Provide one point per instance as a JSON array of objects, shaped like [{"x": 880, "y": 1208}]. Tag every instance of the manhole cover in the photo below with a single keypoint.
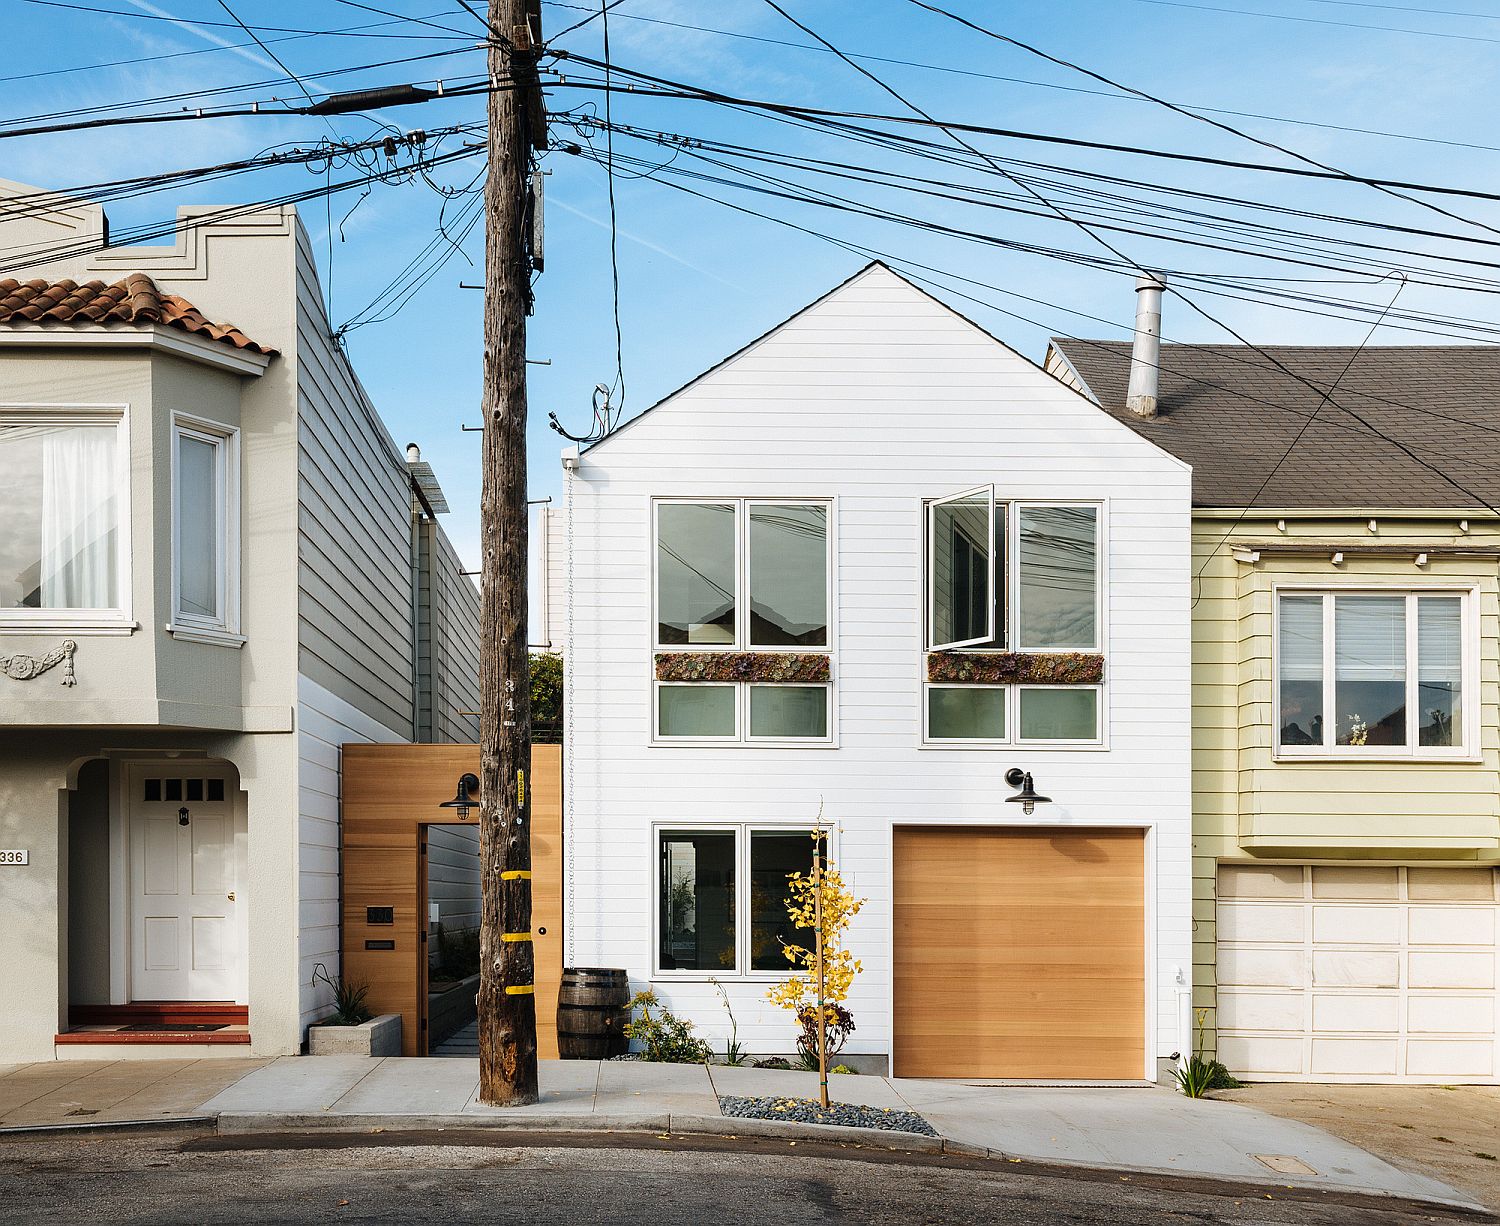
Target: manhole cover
[{"x": 1284, "y": 1164}]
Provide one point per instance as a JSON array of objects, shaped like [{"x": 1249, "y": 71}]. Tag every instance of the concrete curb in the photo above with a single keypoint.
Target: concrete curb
[
  {"x": 249, "y": 1124},
  {"x": 42, "y": 1130}
]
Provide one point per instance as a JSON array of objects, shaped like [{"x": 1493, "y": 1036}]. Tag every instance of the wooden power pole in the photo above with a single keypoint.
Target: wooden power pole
[{"x": 507, "y": 966}]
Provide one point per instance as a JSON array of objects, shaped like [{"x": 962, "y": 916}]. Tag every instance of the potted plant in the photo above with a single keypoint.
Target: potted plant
[{"x": 351, "y": 1029}]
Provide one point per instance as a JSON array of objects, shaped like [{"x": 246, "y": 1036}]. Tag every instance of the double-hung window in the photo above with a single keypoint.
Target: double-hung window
[
  {"x": 707, "y": 923},
  {"x": 1017, "y": 576},
  {"x": 64, "y": 549},
  {"x": 205, "y": 529},
  {"x": 743, "y": 575},
  {"x": 1365, "y": 674}
]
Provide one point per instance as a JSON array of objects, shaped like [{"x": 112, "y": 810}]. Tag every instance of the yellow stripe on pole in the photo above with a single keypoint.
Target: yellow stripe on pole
[
  {"x": 516, "y": 874},
  {"x": 515, "y": 936},
  {"x": 527, "y": 989}
]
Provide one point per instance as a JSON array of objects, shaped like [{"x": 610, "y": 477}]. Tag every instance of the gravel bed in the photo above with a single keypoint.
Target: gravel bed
[{"x": 808, "y": 1111}]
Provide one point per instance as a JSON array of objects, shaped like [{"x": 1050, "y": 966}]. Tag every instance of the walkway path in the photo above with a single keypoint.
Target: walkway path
[{"x": 461, "y": 1043}]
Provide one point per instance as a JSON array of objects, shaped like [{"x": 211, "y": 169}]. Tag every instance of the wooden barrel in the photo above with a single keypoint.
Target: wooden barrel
[{"x": 591, "y": 1013}]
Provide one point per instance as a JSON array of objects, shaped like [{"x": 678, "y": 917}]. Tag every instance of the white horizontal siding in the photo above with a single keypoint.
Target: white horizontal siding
[{"x": 877, "y": 397}]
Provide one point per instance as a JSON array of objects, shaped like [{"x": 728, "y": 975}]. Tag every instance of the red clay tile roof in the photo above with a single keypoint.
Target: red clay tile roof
[{"x": 136, "y": 300}]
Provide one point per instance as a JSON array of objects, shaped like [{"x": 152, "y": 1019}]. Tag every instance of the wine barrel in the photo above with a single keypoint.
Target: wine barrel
[{"x": 592, "y": 1012}]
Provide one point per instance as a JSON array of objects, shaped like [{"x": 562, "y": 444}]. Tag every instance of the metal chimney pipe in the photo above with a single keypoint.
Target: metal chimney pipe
[{"x": 1145, "y": 355}]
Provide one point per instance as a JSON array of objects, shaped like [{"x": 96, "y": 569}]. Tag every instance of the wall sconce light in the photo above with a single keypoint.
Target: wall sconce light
[
  {"x": 463, "y": 801},
  {"x": 1027, "y": 797}
]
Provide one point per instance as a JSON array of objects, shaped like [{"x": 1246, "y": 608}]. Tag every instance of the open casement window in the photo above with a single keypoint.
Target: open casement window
[{"x": 962, "y": 569}]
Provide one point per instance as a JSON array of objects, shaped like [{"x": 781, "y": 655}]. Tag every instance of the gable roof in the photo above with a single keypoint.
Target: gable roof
[
  {"x": 135, "y": 301},
  {"x": 1232, "y": 415}
]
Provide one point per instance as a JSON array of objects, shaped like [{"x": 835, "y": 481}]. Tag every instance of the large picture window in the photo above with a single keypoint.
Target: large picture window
[
  {"x": 62, "y": 503},
  {"x": 1372, "y": 674},
  {"x": 706, "y": 925},
  {"x": 1021, "y": 574}
]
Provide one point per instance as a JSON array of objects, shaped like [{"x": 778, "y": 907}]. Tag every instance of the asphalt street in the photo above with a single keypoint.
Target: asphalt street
[{"x": 664, "y": 1181}]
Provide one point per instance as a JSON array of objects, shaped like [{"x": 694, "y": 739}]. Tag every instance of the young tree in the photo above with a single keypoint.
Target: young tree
[{"x": 820, "y": 902}]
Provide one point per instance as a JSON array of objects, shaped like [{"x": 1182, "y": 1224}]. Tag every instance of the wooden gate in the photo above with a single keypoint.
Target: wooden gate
[{"x": 392, "y": 793}]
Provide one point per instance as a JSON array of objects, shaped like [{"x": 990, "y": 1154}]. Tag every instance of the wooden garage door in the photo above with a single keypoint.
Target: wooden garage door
[{"x": 1019, "y": 952}]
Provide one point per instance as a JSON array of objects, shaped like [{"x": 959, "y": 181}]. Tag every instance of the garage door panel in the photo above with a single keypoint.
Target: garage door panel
[
  {"x": 1362, "y": 1012},
  {"x": 1263, "y": 1053},
  {"x": 1262, "y": 922},
  {"x": 1461, "y": 1058},
  {"x": 1019, "y": 952},
  {"x": 1445, "y": 1014},
  {"x": 1365, "y": 1057},
  {"x": 1355, "y": 925},
  {"x": 1355, "y": 968},
  {"x": 1249, "y": 1010},
  {"x": 1262, "y": 968},
  {"x": 1430, "y": 969},
  {"x": 1452, "y": 926}
]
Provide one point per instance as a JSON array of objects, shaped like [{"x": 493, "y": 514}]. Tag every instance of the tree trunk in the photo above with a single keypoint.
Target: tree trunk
[
  {"x": 507, "y": 1005},
  {"x": 822, "y": 1006}
]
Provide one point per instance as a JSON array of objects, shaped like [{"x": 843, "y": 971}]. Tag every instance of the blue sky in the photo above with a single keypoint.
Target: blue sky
[{"x": 697, "y": 280}]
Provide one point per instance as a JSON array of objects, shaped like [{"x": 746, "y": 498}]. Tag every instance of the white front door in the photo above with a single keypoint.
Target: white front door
[{"x": 185, "y": 930}]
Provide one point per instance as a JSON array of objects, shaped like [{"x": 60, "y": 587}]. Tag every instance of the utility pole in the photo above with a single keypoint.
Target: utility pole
[{"x": 507, "y": 965}]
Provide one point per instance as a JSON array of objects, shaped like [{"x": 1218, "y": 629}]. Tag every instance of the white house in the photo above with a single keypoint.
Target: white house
[
  {"x": 854, "y": 575},
  {"x": 216, "y": 568}
]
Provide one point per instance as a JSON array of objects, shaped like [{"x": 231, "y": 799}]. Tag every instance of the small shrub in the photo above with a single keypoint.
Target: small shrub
[
  {"x": 1201, "y": 1073},
  {"x": 734, "y": 1054},
  {"x": 838, "y": 1026},
  {"x": 773, "y": 1062},
  {"x": 349, "y": 1008},
  {"x": 664, "y": 1037},
  {"x": 841, "y": 1068}
]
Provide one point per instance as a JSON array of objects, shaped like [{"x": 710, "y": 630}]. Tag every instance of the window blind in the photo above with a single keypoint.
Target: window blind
[{"x": 1369, "y": 638}]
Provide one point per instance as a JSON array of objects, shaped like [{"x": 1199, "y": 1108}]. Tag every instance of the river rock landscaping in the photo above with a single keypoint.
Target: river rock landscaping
[{"x": 809, "y": 1111}]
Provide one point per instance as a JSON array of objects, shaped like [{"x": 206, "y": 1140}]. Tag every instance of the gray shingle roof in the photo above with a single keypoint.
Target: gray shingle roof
[{"x": 1231, "y": 414}]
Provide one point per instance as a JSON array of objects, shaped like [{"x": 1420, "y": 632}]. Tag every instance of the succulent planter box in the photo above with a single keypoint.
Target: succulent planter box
[{"x": 380, "y": 1036}]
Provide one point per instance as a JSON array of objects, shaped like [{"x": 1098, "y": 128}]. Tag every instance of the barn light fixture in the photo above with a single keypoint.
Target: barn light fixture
[
  {"x": 1027, "y": 796},
  {"x": 463, "y": 801}
]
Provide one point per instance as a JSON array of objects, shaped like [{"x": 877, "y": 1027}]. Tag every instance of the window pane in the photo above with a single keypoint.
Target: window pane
[
  {"x": 697, "y": 902},
  {"x": 788, "y": 576},
  {"x": 197, "y": 527},
  {"x": 1369, "y": 667},
  {"x": 1058, "y": 579},
  {"x": 961, "y": 543},
  {"x": 695, "y": 710},
  {"x": 695, "y": 572},
  {"x": 789, "y": 711},
  {"x": 59, "y": 507},
  {"x": 1439, "y": 670},
  {"x": 1300, "y": 664},
  {"x": 773, "y": 858},
  {"x": 955, "y": 714},
  {"x": 1059, "y": 715}
]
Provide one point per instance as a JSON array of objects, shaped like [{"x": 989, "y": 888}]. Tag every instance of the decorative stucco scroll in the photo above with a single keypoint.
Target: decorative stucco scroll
[
  {"x": 742, "y": 666},
  {"x": 1016, "y": 667},
  {"x": 20, "y": 667}
]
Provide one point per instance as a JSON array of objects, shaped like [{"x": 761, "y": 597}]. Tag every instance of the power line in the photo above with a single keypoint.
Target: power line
[
  {"x": 1320, "y": 21},
  {"x": 139, "y": 16}
]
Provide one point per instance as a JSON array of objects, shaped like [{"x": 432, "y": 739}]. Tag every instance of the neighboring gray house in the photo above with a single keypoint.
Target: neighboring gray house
[{"x": 217, "y": 567}]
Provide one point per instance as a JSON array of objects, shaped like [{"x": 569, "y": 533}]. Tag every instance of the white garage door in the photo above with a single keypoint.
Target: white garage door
[{"x": 1359, "y": 973}]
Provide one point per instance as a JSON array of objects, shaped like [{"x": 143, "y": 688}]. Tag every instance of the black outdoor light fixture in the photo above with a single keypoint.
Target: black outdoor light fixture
[
  {"x": 463, "y": 802},
  {"x": 1027, "y": 797}
]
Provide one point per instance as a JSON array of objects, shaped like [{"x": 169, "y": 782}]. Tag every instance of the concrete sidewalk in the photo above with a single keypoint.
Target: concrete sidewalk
[
  {"x": 71, "y": 1092},
  {"x": 1132, "y": 1129}
]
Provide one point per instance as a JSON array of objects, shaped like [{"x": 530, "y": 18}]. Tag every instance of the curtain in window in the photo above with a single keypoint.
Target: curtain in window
[{"x": 79, "y": 517}]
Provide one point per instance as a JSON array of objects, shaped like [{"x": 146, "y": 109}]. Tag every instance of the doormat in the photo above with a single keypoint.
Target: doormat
[{"x": 159, "y": 1027}]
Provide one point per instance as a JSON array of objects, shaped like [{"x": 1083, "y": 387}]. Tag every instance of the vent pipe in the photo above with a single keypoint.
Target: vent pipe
[{"x": 1145, "y": 355}]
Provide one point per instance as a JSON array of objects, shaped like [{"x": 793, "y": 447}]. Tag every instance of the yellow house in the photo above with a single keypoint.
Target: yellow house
[{"x": 1346, "y": 694}]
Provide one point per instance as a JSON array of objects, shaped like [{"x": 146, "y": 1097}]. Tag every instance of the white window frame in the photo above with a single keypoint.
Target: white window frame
[
  {"x": 930, "y": 518},
  {"x": 1012, "y": 735},
  {"x": 742, "y": 738},
  {"x": 117, "y": 620},
  {"x": 967, "y": 742},
  {"x": 1011, "y": 578},
  {"x": 1097, "y": 740},
  {"x": 192, "y": 627},
  {"x": 1467, "y": 751},
  {"x": 742, "y": 831}
]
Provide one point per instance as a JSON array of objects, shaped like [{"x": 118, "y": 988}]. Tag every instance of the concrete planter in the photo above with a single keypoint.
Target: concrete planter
[
  {"x": 449, "y": 1012},
  {"x": 380, "y": 1036}
]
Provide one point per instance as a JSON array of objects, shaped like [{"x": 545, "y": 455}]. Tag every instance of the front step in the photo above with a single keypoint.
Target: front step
[{"x": 161, "y": 1013}]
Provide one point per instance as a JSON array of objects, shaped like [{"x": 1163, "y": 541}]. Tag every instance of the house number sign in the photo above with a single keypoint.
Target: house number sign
[{"x": 20, "y": 856}]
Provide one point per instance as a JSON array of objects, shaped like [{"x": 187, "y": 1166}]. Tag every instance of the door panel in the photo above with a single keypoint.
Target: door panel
[{"x": 1019, "y": 953}]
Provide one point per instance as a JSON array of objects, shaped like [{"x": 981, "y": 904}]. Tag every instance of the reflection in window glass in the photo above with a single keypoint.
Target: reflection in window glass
[
  {"x": 1369, "y": 666},
  {"x": 1439, "y": 670},
  {"x": 59, "y": 504},
  {"x": 1301, "y": 670},
  {"x": 962, "y": 539},
  {"x": 1049, "y": 714},
  {"x": 197, "y": 526},
  {"x": 794, "y": 711},
  {"x": 695, "y": 710},
  {"x": 960, "y": 713},
  {"x": 695, "y": 573},
  {"x": 773, "y": 858},
  {"x": 1058, "y": 578},
  {"x": 788, "y": 576},
  {"x": 697, "y": 902}
]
